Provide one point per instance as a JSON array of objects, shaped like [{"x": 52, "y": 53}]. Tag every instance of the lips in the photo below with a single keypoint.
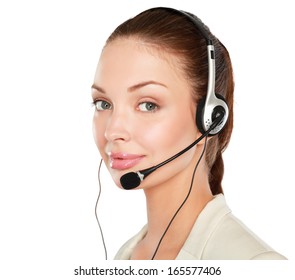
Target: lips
[{"x": 122, "y": 161}]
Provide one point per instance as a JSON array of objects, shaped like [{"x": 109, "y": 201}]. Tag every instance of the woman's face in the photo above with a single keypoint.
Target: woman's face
[{"x": 144, "y": 111}]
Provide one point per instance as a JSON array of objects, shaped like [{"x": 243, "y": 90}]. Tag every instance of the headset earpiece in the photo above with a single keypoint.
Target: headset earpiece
[{"x": 207, "y": 113}]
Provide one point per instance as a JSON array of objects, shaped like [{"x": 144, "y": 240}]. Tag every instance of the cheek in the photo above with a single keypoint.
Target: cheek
[
  {"x": 170, "y": 136},
  {"x": 98, "y": 133}
]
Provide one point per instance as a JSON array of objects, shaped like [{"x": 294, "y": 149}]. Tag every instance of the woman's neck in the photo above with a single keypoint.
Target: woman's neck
[{"x": 163, "y": 202}]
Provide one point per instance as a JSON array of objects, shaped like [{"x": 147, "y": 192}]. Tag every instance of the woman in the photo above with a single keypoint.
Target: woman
[{"x": 150, "y": 80}]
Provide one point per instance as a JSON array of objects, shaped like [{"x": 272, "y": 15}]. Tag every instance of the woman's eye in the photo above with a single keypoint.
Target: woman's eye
[
  {"x": 101, "y": 105},
  {"x": 147, "y": 107}
]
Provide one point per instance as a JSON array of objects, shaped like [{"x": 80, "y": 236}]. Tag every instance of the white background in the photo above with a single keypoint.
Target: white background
[{"x": 48, "y": 159}]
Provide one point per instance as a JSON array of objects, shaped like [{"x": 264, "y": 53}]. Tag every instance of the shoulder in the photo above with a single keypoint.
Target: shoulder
[
  {"x": 231, "y": 239},
  {"x": 218, "y": 234}
]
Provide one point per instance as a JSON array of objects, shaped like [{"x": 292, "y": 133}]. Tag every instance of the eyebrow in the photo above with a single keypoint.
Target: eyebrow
[
  {"x": 94, "y": 86},
  {"x": 131, "y": 88},
  {"x": 143, "y": 84}
]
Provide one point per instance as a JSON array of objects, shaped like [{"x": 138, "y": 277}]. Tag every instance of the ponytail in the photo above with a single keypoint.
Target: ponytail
[{"x": 216, "y": 175}]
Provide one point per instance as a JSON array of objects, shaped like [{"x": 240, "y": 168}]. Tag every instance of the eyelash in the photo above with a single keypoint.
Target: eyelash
[{"x": 155, "y": 106}]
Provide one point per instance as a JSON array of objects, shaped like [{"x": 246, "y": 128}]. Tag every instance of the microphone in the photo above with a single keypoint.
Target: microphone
[{"x": 132, "y": 180}]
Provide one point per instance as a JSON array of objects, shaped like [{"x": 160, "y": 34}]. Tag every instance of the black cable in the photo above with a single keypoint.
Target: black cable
[
  {"x": 99, "y": 193},
  {"x": 184, "y": 201}
]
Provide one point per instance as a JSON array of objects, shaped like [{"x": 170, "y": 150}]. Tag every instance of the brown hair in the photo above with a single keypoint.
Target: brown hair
[{"x": 173, "y": 32}]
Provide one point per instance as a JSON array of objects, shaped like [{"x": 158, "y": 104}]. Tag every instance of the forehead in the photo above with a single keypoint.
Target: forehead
[
  {"x": 134, "y": 58},
  {"x": 137, "y": 44}
]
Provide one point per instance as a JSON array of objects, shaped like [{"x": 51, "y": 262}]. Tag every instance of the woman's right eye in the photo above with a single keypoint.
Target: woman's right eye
[{"x": 101, "y": 105}]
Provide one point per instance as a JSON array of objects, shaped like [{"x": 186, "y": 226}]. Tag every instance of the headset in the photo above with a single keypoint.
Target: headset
[
  {"x": 210, "y": 107},
  {"x": 211, "y": 114}
]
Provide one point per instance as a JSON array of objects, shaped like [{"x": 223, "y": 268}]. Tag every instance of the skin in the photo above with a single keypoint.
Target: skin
[{"x": 145, "y": 107}]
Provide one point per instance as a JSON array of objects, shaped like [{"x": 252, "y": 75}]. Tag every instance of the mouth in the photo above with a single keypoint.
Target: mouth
[{"x": 123, "y": 161}]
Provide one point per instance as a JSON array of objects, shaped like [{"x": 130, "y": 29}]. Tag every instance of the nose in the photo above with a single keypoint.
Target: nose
[{"x": 117, "y": 128}]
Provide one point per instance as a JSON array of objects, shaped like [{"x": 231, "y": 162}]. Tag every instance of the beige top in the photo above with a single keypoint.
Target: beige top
[{"x": 216, "y": 235}]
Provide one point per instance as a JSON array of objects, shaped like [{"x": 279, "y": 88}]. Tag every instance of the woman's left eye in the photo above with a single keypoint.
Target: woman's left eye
[{"x": 147, "y": 107}]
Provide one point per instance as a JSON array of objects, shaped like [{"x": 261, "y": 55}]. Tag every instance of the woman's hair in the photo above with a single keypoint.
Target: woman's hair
[{"x": 175, "y": 33}]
